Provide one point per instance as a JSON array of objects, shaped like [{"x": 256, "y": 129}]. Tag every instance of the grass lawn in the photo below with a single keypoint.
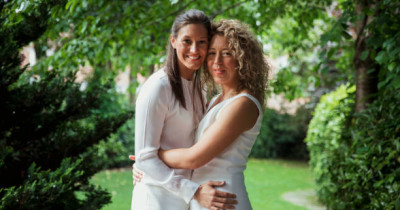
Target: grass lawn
[{"x": 266, "y": 181}]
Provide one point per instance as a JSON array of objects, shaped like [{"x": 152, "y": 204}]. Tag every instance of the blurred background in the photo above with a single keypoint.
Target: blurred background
[{"x": 71, "y": 70}]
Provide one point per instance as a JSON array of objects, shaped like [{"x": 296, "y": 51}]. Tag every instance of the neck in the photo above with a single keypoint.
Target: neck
[
  {"x": 187, "y": 74},
  {"x": 228, "y": 92}
]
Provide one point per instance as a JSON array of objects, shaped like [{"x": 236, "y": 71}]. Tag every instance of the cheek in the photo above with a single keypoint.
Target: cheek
[
  {"x": 209, "y": 64},
  {"x": 232, "y": 63}
]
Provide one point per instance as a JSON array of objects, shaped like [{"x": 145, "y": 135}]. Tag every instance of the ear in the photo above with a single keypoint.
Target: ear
[{"x": 172, "y": 40}]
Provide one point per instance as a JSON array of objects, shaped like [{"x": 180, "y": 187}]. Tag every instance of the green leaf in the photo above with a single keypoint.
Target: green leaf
[
  {"x": 364, "y": 55},
  {"x": 391, "y": 66},
  {"x": 381, "y": 58}
]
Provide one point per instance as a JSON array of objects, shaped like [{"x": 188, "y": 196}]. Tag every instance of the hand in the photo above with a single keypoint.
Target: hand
[
  {"x": 210, "y": 198},
  {"x": 137, "y": 174}
]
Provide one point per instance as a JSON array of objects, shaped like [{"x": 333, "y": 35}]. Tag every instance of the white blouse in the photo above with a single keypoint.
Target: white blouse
[{"x": 161, "y": 122}]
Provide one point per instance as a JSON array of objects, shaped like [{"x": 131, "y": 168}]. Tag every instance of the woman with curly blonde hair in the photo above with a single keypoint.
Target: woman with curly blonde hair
[
  {"x": 252, "y": 66},
  {"x": 226, "y": 134}
]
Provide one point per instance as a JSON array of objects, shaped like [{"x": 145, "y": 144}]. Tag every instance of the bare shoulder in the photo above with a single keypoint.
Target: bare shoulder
[
  {"x": 244, "y": 105},
  {"x": 241, "y": 111}
]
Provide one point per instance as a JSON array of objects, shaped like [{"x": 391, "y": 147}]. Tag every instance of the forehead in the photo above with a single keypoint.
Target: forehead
[
  {"x": 219, "y": 42},
  {"x": 193, "y": 30}
]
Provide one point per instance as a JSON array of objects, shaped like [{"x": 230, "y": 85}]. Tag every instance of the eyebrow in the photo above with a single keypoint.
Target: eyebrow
[
  {"x": 203, "y": 37},
  {"x": 212, "y": 48}
]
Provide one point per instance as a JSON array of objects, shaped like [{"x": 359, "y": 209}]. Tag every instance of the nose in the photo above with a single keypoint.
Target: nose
[
  {"x": 218, "y": 59},
  {"x": 194, "y": 47}
]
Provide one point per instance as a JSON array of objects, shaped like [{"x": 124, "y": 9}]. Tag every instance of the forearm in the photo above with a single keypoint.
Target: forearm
[{"x": 178, "y": 158}]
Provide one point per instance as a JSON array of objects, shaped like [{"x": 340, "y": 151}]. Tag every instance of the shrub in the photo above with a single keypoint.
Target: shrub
[
  {"x": 370, "y": 177},
  {"x": 356, "y": 158},
  {"x": 325, "y": 140},
  {"x": 282, "y": 135},
  {"x": 114, "y": 151}
]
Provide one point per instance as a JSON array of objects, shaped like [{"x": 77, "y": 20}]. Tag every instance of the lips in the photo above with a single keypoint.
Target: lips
[
  {"x": 193, "y": 57},
  {"x": 218, "y": 71}
]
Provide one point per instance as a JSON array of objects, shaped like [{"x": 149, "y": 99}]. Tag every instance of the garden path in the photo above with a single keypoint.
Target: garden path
[{"x": 303, "y": 198}]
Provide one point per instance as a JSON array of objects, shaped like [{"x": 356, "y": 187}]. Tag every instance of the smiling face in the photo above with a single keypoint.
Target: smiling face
[
  {"x": 191, "y": 46},
  {"x": 221, "y": 62}
]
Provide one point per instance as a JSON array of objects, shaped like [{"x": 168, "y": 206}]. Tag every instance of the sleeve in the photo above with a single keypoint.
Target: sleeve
[{"x": 151, "y": 110}]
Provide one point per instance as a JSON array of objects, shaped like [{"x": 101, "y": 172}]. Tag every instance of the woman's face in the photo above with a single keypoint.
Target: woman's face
[
  {"x": 221, "y": 63},
  {"x": 191, "y": 46}
]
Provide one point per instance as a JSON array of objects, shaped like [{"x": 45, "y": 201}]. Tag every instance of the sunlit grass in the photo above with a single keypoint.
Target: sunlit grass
[{"x": 266, "y": 181}]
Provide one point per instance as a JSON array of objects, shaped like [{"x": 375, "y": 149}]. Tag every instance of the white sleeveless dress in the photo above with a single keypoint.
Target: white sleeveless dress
[{"x": 230, "y": 164}]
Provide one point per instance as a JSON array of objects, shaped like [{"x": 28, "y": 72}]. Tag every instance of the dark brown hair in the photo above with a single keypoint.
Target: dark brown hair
[{"x": 171, "y": 66}]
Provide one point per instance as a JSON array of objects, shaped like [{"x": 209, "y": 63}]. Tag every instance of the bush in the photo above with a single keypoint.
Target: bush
[
  {"x": 325, "y": 140},
  {"x": 371, "y": 178},
  {"x": 282, "y": 135},
  {"x": 356, "y": 158},
  {"x": 113, "y": 152}
]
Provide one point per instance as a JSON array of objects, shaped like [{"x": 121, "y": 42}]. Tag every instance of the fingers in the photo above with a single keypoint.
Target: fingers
[
  {"x": 224, "y": 200},
  {"x": 137, "y": 171},
  {"x": 132, "y": 157},
  {"x": 216, "y": 183},
  {"x": 216, "y": 208},
  {"x": 137, "y": 176},
  {"x": 226, "y": 204},
  {"x": 222, "y": 194}
]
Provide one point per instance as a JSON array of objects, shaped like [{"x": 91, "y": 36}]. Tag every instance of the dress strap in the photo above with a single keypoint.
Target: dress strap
[{"x": 212, "y": 101}]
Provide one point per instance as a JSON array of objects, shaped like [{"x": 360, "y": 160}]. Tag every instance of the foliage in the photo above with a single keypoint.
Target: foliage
[
  {"x": 47, "y": 189},
  {"x": 325, "y": 138},
  {"x": 114, "y": 151},
  {"x": 369, "y": 176},
  {"x": 356, "y": 162},
  {"x": 282, "y": 135},
  {"x": 372, "y": 177},
  {"x": 48, "y": 124}
]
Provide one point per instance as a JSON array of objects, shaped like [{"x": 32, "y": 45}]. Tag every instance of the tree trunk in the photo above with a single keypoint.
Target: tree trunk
[{"x": 366, "y": 69}]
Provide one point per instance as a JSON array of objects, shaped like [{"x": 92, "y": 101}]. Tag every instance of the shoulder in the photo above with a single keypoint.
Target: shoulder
[
  {"x": 243, "y": 104},
  {"x": 158, "y": 79},
  {"x": 156, "y": 88},
  {"x": 242, "y": 111}
]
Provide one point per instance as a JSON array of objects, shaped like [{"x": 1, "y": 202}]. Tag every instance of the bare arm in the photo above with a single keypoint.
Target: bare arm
[{"x": 237, "y": 117}]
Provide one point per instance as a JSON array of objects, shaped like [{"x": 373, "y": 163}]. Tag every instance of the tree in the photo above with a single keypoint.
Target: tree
[{"x": 48, "y": 126}]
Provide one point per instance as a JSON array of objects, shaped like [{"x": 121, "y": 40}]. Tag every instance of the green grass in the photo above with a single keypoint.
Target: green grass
[{"x": 266, "y": 181}]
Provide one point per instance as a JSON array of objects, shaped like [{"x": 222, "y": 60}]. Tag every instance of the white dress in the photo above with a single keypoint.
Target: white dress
[
  {"x": 161, "y": 122},
  {"x": 230, "y": 164}
]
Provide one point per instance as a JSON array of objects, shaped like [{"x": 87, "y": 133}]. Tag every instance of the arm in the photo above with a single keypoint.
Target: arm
[
  {"x": 233, "y": 120},
  {"x": 151, "y": 111}
]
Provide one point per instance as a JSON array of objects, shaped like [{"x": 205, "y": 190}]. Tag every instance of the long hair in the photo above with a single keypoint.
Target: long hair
[
  {"x": 171, "y": 66},
  {"x": 253, "y": 68}
]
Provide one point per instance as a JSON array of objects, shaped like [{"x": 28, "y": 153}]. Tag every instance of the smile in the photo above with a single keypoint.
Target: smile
[
  {"x": 193, "y": 57},
  {"x": 218, "y": 71}
]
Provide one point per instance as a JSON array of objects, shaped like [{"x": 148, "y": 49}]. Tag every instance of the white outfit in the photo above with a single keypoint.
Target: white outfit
[
  {"x": 161, "y": 122},
  {"x": 230, "y": 164}
]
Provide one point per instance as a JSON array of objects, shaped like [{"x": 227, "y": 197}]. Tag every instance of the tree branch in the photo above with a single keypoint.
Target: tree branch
[
  {"x": 174, "y": 13},
  {"x": 226, "y": 9}
]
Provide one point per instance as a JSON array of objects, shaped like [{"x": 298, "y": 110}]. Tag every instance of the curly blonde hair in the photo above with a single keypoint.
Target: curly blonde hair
[{"x": 253, "y": 68}]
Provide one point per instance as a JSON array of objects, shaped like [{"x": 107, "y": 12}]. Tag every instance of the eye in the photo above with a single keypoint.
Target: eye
[
  {"x": 211, "y": 53},
  {"x": 186, "y": 41},
  {"x": 203, "y": 42},
  {"x": 226, "y": 53}
]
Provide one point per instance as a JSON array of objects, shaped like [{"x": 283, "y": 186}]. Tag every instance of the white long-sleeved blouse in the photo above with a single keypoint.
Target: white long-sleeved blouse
[{"x": 161, "y": 122}]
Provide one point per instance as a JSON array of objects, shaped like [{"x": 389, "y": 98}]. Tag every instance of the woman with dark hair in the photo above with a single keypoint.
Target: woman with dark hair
[
  {"x": 226, "y": 134},
  {"x": 168, "y": 109}
]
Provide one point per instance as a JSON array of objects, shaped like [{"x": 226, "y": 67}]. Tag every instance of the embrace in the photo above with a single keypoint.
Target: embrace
[{"x": 191, "y": 154}]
